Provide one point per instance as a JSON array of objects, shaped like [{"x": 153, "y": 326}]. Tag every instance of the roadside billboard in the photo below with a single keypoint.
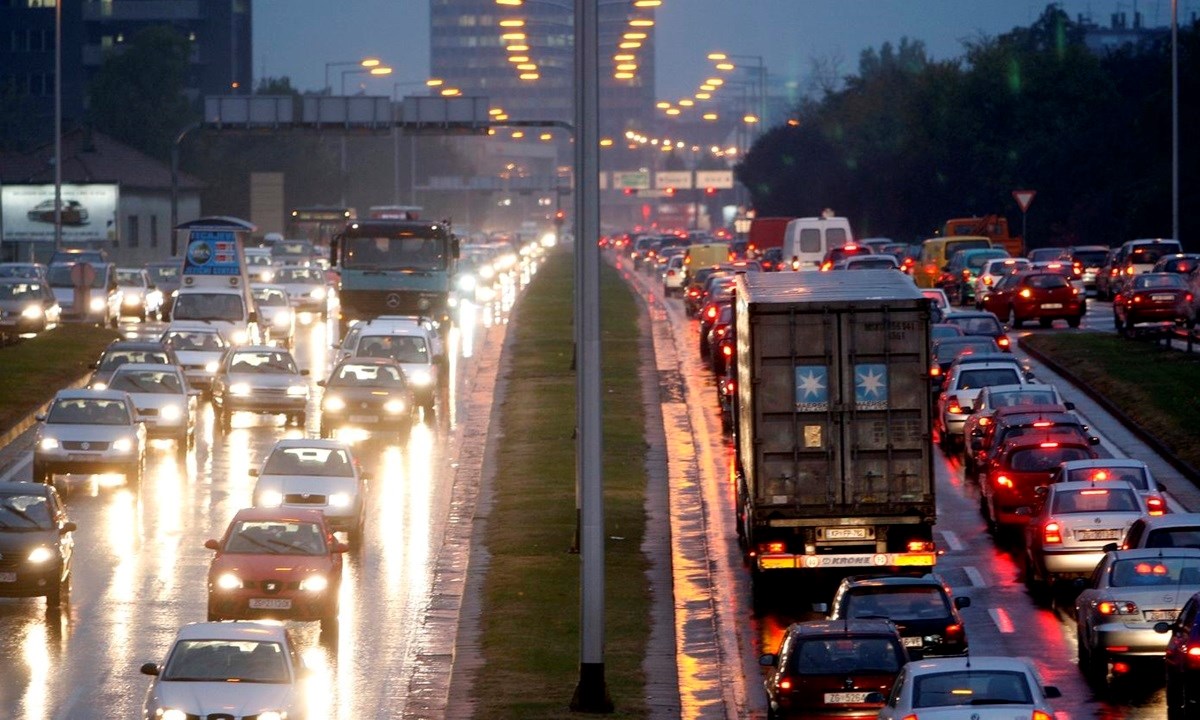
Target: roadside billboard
[{"x": 89, "y": 213}]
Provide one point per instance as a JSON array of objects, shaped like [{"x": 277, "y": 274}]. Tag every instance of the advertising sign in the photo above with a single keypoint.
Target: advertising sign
[
  {"x": 89, "y": 213},
  {"x": 212, "y": 252}
]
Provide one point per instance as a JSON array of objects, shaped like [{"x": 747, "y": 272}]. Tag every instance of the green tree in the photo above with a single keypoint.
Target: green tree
[{"x": 137, "y": 95}]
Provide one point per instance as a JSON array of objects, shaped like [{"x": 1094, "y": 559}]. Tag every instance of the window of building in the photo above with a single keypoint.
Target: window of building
[
  {"x": 40, "y": 3},
  {"x": 131, "y": 230},
  {"x": 153, "y": 231}
]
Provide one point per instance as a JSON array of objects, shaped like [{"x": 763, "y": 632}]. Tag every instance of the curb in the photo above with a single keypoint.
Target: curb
[{"x": 1185, "y": 469}]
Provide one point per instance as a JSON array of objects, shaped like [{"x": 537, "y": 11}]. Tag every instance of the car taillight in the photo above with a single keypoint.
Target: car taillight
[
  {"x": 795, "y": 263},
  {"x": 1052, "y": 534},
  {"x": 1004, "y": 481},
  {"x": 987, "y": 280},
  {"x": 1155, "y": 505},
  {"x": 827, "y": 266},
  {"x": 954, "y": 633},
  {"x": 935, "y": 371},
  {"x": 1193, "y": 656},
  {"x": 1002, "y": 342},
  {"x": 727, "y": 351},
  {"x": 1117, "y": 607},
  {"x": 729, "y": 387},
  {"x": 1026, "y": 293},
  {"x": 785, "y": 683},
  {"x": 712, "y": 313},
  {"x": 1039, "y": 715},
  {"x": 1129, "y": 270},
  {"x": 721, "y": 331},
  {"x": 955, "y": 408},
  {"x": 1137, "y": 298},
  {"x": 1187, "y": 297},
  {"x": 984, "y": 421}
]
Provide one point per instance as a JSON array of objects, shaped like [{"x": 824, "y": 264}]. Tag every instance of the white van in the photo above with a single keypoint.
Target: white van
[{"x": 807, "y": 240}]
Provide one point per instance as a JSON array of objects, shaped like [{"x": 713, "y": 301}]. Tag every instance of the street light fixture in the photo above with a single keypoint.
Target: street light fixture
[
  {"x": 377, "y": 71},
  {"x": 369, "y": 62}
]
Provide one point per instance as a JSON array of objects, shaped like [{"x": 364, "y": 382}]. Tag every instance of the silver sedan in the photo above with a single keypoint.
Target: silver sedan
[
  {"x": 260, "y": 379},
  {"x": 90, "y": 432}
]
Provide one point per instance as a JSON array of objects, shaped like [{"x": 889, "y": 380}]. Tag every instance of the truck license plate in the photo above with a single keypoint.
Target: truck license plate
[
  {"x": 1052, "y": 306},
  {"x": 270, "y": 604},
  {"x": 841, "y": 698},
  {"x": 851, "y": 533},
  {"x": 7, "y": 577}
]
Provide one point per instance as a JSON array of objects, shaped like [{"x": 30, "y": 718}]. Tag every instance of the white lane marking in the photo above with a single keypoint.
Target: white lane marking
[
  {"x": 12, "y": 470},
  {"x": 951, "y": 540},
  {"x": 975, "y": 576},
  {"x": 1003, "y": 622}
]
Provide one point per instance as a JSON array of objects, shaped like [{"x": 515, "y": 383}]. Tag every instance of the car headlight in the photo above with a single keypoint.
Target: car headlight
[
  {"x": 297, "y": 390},
  {"x": 99, "y": 385},
  {"x": 174, "y": 714},
  {"x": 211, "y": 366},
  {"x": 486, "y": 272},
  {"x": 49, "y": 443},
  {"x": 340, "y": 500},
  {"x": 314, "y": 583},
  {"x": 334, "y": 403},
  {"x": 394, "y": 407},
  {"x": 40, "y": 555},
  {"x": 170, "y": 412},
  {"x": 420, "y": 377},
  {"x": 229, "y": 581},
  {"x": 97, "y": 304},
  {"x": 241, "y": 389},
  {"x": 466, "y": 282},
  {"x": 132, "y": 299},
  {"x": 282, "y": 318},
  {"x": 122, "y": 445},
  {"x": 270, "y": 498},
  {"x": 239, "y": 337},
  {"x": 317, "y": 294},
  {"x": 32, "y": 312},
  {"x": 268, "y": 275}
]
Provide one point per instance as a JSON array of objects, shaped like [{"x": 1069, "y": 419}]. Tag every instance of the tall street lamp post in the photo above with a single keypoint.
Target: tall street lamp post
[
  {"x": 58, "y": 125},
  {"x": 365, "y": 63},
  {"x": 1175, "y": 119}
]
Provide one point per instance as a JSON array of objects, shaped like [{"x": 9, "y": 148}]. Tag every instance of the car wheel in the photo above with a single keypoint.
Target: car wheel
[
  {"x": 329, "y": 627},
  {"x": 1045, "y": 322},
  {"x": 1016, "y": 321},
  {"x": 1094, "y": 663},
  {"x": 1073, "y": 322},
  {"x": 181, "y": 447},
  {"x": 225, "y": 418},
  {"x": 40, "y": 475},
  {"x": 213, "y": 616},
  {"x": 986, "y": 511},
  {"x": 59, "y": 593}
]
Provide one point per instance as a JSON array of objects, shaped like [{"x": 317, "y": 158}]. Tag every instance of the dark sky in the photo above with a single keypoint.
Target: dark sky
[{"x": 297, "y": 38}]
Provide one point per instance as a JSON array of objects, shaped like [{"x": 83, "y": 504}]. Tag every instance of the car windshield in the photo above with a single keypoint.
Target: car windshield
[
  {"x": 1049, "y": 281},
  {"x": 947, "y": 350},
  {"x": 1184, "y": 537},
  {"x": 976, "y": 261},
  {"x": 130, "y": 278},
  {"x": 227, "y": 307},
  {"x": 18, "y": 512},
  {"x": 309, "y": 461},
  {"x": 88, "y": 411},
  {"x": 939, "y": 331},
  {"x": 258, "y": 260},
  {"x": 1045, "y": 254},
  {"x": 1091, "y": 258},
  {"x": 20, "y": 291},
  {"x": 1135, "y": 476},
  {"x": 275, "y": 537},
  {"x": 986, "y": 377},
  {"x": 373, "y": 375},
  {"x": 227, "y": 661},
  {"x": 1007, "y": 267},
  {"x": 977, "y": 325},
  {"x": 18, "y": 271},
  {"x": 1177, "y": 571},
  {"x": 60, "y": 276},
  {"x": 1044, "y": 459},
  {"x": 147, "y": 381},
  {"x": 1159, "y": 281},
  {"x": 841, "y": 655},
  {"x": 303, "y": 275},
  {"x": 163, "y": 274},
  {"x": 114, "y": 359},
  {"x": 270, "y": 297},
  {"x": 1093, "y": 500},
  {"x": 291, "y": 249},
  {"x": 412, "y": 253},
  {"x": 1149, "y": 254},
  {"x": 193, "y": 340},
  {"x": 1016, "y": 398},
  {"x": 971, "y": 687},
  {"x": 917, "y": 602},
  {"x": 410, "y": 349},
  {"x": 263, "y": 362}
]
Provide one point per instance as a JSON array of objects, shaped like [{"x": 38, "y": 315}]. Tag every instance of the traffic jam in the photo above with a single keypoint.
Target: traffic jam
[
  {"x": 238, "y": 453},
  {"x": 929, "y": 521}
]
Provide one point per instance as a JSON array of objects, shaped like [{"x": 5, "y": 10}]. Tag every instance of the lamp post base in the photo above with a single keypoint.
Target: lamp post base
[{"x": 591, "y": 694}]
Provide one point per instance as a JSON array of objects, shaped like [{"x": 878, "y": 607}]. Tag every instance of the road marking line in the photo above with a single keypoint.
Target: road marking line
[
  {"x": 975, "y": 576},
  {"x": 1003, "y": 622},
  {"x": 12, "y": 470},
  {"x": 951, "y": 540}
]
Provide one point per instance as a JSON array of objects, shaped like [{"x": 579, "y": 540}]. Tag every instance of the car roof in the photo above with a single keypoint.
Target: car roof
[
  {"x": 873, "y": 626},
  {"x": 279, "y": 513},
  {"x": 399, "y": 330},
  {"x": 311, "y": 443},
  {"x": 77, "y": 393},
  {"x": 233, "y": 630},
  {"x": 260, "y": 348},
  {"x": 153, "y": 367},
  {"x": 1017, "y": 387},
  {"x": 25, "y": 488},
  {"x": 970, "y": 315},
  {"x": 1103, "y": 462},
  {"x": 1171, "y": 520},
  {"x": 1056, "y": 437},
  {"x": 970, "y": 662},
  {"x": 1157, "y": 552},
  {"x": 889, "y": 580},
  {"x": 1089, "y": 485},
  {"x": 991, "y": 357},
  {"x": 134, "y": 345},
  {"x": 1003, "y": 412}
]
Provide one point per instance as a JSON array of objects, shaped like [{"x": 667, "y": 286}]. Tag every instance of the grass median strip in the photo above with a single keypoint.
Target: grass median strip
[
  {"x": 530, "y": 617},
  {"x": 35, "y": 368},
  {"x": 1154, "y": 386}
]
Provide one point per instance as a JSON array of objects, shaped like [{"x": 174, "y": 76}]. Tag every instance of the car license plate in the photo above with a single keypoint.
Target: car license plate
[
  {"x": 1160, "y": 615},
  {"x": 852, "y": 533},
  {"x": 270, "y": 604},
  {"x": 79, "y": 457},
  {"x": 1162, "y": 298},
  {"x": 845, "y": 697},
  {"x": 364, "y": 418},
  {"x": 912, "y": 642},
  {"x": 7, "y": 577},
  {"x": 1097, "y": 534},
  {"x": 1052, "y": 306}
]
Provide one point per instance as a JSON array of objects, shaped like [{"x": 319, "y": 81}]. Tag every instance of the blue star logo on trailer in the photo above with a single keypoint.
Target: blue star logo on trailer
[
  {"x": 812, "y": 388},
  {"x": 870, "y": 386}
]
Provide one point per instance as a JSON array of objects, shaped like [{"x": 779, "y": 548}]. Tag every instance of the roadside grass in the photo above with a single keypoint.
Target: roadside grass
[
  {"x": 530, "y": 616},
  {"x": 1155, "y": 386},
  {"x": 35, "y": 368}
]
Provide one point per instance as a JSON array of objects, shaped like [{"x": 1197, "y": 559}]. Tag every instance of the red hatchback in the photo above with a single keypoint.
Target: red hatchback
[
  {"x": 829, "y": 668},
  {"x": 276, "y": 563},
  {"x": 1016, "y": 471},
  {"x": 1153, "y": 297},
  {"x": 1035, "y": 294}
]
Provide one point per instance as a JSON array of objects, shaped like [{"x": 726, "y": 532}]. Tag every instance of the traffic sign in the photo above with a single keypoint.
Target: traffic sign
[
  {"x": 1024, "y": 198},
  {"x": 83, "y": 274}
]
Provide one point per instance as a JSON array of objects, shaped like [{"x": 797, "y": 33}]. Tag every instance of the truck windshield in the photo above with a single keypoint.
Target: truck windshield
[
  {"x": 396, "y": 253},
  {"x": 209, "y": 306}
]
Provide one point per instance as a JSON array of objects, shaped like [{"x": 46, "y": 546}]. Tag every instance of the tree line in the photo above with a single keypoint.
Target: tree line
[{"x": 909, "y": 142}]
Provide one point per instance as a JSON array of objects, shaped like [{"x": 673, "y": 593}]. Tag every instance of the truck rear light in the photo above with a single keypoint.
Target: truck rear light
[
  {"x": 773, "y": 547},
  {"x": 935, "y": 371},
  {"x": 1004, "y": 481},
  {"x": 920, "y": 546},
  {"x": 1155, "y": 505},
  {"x": 1052, "y": 534}
]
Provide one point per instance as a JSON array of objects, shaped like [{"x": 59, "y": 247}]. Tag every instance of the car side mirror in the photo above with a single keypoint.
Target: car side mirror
[
  {"x": 1093, "y": 440},
  {"x": 768, "y": 659},
  {"x": 67, "y": 527},
  {"x": 874, "y": 698},
  {"x": 1163, "y": 628},
  {"x": 320, "y": 383},
  {"x": 212, "y": 544},
  {"x": 1041, "y": 491},
  {"x": 1069, "y": 405},
  {"x": 1051, "y": 692},
  {"x": 1079, "y": 583},
  {"x": 304, "y": 371},
  {"x": 149, "y": 669},
  {"x": 962, "y": 602},
  {"x": 341, "y": 547},
  {"x": 40, "y": 417},
  {"x": 1024, "y": 511},
  {"x": 253, "y": 472},
  {"x": 1111, "y": 547}
]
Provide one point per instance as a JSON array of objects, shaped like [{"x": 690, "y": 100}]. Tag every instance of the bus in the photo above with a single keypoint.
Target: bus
[
  {"x": 319, "y": 223},
  {"x": 395, "y": 212}
]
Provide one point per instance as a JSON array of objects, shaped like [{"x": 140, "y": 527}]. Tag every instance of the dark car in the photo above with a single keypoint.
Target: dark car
[
  {"x": 1181, "y": 263},
  {"x": 831, "y": 668},
  {"x": 693, "y": 294},
  {"x": 1153, "y": 297},
  {"x": 772, "y": 259},
  {"x": 837, "y": 254},
  {"x": 944, "y": 352},
  {"x": 1086, "y": 263},
  {"x": 367, "y": 392},
  {"x": 26, "y": 306},
  {"x": 122, "y": 352},
  {"x": 721, "y": 326},
  {"x": 1182, "y": 659},
  {"x": 980, "y": 322},
  {"x": 922, "y": 608},
  {"x": 36, "y": 543}
]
